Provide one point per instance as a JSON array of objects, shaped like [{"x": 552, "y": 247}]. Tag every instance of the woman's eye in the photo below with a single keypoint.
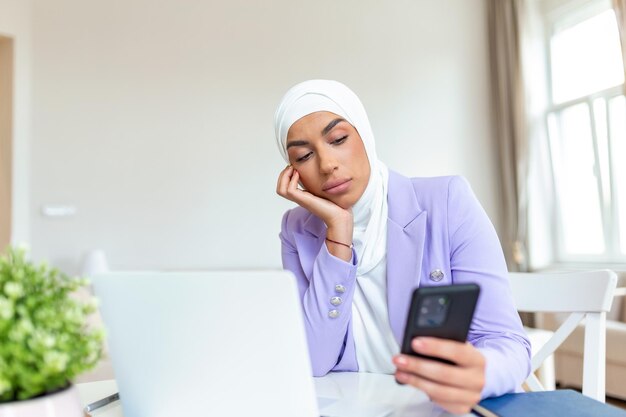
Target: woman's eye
[
  {"x": 305, "y": 157},
  {"x": 340, "y": 140}
]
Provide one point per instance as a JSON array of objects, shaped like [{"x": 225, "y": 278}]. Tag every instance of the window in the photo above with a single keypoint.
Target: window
[{"x": 586, "y": 125}]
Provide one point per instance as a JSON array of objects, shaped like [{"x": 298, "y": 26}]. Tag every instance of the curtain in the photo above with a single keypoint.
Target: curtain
[
  {"x": 620, "y": 14},
  {"x": 508, "y": 101},
  {"x": 6, "y": 142}
]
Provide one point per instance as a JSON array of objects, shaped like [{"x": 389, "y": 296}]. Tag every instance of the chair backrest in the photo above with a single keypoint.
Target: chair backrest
[{"x": 586, "y": 295}]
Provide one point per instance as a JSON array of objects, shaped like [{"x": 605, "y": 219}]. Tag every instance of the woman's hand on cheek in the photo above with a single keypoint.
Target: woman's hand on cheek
[
  {"x": 329, "y": 212},
  {"x": 339, "y": 221},
  {"x": 456, "y": 388}
]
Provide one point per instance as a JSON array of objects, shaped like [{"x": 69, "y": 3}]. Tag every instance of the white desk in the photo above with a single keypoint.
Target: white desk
[{"x": 359, "y": 388}]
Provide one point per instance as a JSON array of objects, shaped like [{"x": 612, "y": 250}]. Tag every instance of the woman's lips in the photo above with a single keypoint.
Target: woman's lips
[{"x": 337, "y": 187}]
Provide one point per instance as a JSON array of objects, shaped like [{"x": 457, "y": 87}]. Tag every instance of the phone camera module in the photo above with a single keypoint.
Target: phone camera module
[{"x": 433, "y": 311}]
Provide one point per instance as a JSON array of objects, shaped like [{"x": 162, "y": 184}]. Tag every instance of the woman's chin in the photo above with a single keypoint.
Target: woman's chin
[{"x": 345, "y": 202}]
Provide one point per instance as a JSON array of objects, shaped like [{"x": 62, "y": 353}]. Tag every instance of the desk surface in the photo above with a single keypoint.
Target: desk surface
[{"x": 367, "y": 390}]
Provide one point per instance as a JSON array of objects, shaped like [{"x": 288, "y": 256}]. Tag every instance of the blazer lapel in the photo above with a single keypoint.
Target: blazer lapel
[{"x": 406, "y": 232}]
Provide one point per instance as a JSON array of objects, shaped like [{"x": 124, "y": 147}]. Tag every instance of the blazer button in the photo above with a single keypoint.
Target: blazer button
[
  {"x": 436, "y": 275},
  {"x": 335, "y": 301},
  {"x": 340, "y": 289},
  {"x": 333, "y": 314}
]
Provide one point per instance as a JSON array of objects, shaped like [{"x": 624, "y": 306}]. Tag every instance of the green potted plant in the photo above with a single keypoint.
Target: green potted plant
[{"x": 44, "y": 338}]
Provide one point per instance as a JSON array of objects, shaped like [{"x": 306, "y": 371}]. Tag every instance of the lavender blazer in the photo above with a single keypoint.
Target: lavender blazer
[{"x": 434, "y": 223}]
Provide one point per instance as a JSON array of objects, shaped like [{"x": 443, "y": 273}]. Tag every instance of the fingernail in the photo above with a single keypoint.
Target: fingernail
[
  {"x": 401, "y": 360},
  {"x": 417, "y": 343},
  {"x": 401, "y": 376}
]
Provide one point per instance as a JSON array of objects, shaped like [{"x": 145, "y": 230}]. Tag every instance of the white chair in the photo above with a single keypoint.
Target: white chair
[
  {"x": 546, "y": 373},
  {"x": 586, "y": 295}
]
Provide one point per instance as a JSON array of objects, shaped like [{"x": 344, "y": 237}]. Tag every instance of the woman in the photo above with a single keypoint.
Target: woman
[{"x": 364, "y": 237}]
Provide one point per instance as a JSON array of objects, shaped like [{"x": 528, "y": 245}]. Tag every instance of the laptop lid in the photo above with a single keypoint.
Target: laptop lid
[{"x": 219, "y": 343}]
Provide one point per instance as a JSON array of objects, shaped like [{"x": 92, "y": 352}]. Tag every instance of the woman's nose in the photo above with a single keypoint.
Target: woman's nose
[{"x": 328, "y": 162}]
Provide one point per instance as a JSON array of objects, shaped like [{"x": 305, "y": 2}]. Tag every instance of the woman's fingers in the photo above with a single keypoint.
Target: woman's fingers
[
  {"x": 453, "y": 375},
  {"x": 326, "y": 210},
  {"x": 279, "y": 182},
  {"x": 283, "y": 181},
  {"x": 433, "y": 370},
  {"x": 439, "y": 393},
  {"x": 463, "y": 354},
  {"x": 467, "y": 373},
  {"x": 293, "y": 189},
  {"x": 288, "y": 187},
  {"x": 454, "y": 387}
]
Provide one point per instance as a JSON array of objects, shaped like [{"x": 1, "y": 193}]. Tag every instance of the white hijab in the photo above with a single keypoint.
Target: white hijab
[{"x": 370, "y": 211}]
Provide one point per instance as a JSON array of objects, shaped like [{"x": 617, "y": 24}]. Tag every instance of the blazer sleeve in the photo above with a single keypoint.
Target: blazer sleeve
[
  {"x": 330, "y": 341},
  {"x": 476, "y": 257}
]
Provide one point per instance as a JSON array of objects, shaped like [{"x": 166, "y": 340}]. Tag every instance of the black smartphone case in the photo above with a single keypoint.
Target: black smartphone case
[{"x": 462, "y": 302}]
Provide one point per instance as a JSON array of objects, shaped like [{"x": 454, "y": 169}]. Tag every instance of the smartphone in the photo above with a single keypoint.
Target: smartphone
[{"x": 443, "y": 311}]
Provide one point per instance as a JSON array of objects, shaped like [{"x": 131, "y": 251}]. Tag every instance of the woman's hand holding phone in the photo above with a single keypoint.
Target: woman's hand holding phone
[
  {"x": 339, "y": 221},
  {"x": 456, "y": 388},
  {"x": 435, "y": 355}
]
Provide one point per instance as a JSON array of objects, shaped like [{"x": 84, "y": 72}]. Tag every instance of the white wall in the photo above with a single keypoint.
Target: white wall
[
  {"x": 15, "y": 22},
  {"x": 154, "y": 118}
]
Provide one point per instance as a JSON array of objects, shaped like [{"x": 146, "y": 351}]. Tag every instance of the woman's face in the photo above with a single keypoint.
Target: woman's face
[{"x": 330, "y": 157}]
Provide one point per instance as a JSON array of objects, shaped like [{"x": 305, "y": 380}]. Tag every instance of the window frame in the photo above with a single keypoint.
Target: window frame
[{"x": 557, "y": 18}]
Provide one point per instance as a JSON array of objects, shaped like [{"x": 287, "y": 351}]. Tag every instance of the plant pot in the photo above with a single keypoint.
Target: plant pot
[{"x": 64, "y": 403}]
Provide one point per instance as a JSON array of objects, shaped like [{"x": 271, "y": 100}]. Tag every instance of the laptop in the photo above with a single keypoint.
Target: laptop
[{"x": 219, "y": 343}]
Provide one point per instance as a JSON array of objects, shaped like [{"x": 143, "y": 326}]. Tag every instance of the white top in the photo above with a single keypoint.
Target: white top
[{"x": 373, "y": 338}]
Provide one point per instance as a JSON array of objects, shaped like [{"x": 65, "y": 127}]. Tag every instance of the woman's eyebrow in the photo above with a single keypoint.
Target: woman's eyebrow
[
  {"x": 297, "y": 143},
  {"x": 332, "y": 124},
  {"x": 325, "y": 131}
]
